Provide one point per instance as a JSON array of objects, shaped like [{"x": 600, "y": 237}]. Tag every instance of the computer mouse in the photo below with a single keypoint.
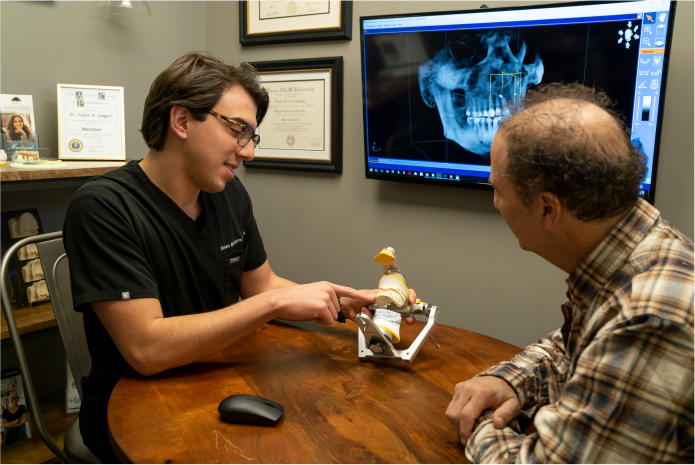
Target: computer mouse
[{"x": 250, "y": 410}]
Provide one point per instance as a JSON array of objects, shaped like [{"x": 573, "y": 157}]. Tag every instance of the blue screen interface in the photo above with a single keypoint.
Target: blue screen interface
[{"x": 438, "y": 86}]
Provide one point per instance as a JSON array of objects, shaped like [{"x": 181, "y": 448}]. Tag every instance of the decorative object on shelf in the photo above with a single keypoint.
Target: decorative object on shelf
[
  {"x": 17, "y": 117},
  {"x": 32, "y": 159},
  {"x": 303, "y": 128},
  {"x": 26, "y": 157},
  {"x": 18, "y": 123},
  {"x": 278, "y": 22},
  {"x": 91, "y": 123},
  {"x": 16, "y": 225},
  {"x": 15, "y": 417},
  {"x": 125, "y": 7}
]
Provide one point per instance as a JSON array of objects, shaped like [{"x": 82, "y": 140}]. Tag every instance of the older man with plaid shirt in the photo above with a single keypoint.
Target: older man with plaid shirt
[{"x": 615, "y": 383}]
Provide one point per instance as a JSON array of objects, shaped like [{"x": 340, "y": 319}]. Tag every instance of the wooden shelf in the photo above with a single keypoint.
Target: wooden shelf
[
  {"x": 34, "y": 318},
  {"x": 75, "y": 169},
  {"x": 34, "y": 450},
  {"x": 76, "y": 174}
]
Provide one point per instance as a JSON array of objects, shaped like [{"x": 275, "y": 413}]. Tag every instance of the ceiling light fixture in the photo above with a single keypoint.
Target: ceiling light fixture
[{"x": 125, "y": 7}]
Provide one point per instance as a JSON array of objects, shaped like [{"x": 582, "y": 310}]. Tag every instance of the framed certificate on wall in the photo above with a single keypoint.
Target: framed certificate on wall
[
  {"x": 303, "y": 127},
  {"x": 91, "y": 123},
  {"x": 263, "y": 22}
]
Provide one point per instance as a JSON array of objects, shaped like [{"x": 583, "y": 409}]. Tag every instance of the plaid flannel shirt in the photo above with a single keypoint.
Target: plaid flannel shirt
[{"x": 615, "y": 383}]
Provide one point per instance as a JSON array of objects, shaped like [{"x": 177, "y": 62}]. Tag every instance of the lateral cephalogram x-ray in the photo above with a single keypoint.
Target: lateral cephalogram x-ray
[{"x": 473, "y": 95}]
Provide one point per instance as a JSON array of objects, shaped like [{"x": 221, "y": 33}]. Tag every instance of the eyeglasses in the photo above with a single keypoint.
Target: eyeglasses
[{"x": 246, "y": 133}]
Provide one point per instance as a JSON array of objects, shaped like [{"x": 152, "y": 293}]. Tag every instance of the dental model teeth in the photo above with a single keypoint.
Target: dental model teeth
[
  {"x": 37, "y": 292},
  {"x": 392, "y": 291},
  {"x": 390, "y": 323},
  {"x": 28, "y": 252},
  {"x": 386, "y": 297},
  {"x": 23, "y": 225},
  {"x": 32, "y": 271}
]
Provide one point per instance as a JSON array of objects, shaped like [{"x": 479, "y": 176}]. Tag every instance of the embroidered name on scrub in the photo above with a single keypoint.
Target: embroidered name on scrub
[{"x": 224, "y": 247}]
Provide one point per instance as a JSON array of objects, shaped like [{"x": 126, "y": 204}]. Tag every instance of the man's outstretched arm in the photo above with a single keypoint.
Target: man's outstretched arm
[{"x": 151, "y": 343}]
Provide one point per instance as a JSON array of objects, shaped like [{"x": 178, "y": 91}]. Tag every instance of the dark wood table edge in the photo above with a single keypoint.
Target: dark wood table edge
[{"x": 122, "y": 458}]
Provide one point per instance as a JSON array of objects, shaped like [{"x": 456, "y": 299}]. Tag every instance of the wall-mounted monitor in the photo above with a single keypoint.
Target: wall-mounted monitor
[{"x": 436, "y": 86}]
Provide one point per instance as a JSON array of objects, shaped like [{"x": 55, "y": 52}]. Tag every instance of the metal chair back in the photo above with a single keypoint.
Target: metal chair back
[
  {"x": 70, "y": 324},
  {"x": 57, "y": 275}
]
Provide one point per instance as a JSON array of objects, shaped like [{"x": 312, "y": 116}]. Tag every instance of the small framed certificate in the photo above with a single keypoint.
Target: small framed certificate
[
  {"x": 303, "y": 127},
  {"x": 91, "y": 123},
  {"x": 263, "y": 22}
]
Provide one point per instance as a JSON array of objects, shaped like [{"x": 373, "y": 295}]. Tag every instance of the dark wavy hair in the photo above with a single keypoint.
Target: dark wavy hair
[
  {"x": 591, "y": 164},
  {"x": 196, "y": 81},
  {"x": 10, "y": 128}
]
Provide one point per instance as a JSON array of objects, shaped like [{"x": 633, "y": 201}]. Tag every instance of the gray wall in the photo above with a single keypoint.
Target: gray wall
[
  {"x": 452, "y": 245},
  {"x": 74, "y": 43},
  {"x": 46, "y": 43}
]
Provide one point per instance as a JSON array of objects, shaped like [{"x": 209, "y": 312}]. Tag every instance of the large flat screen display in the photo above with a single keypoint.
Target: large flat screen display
[{"x": 436, "y": 86}]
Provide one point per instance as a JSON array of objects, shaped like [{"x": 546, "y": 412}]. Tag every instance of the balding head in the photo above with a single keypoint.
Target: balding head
[{"x": 569, "y": 142}]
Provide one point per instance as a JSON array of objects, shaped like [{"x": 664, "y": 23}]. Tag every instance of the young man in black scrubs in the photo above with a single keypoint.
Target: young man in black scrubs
[{"x": 161, "y": 250}]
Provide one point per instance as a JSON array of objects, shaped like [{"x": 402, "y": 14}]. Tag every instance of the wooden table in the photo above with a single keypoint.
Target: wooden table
[{"x": 337, "y": 410}]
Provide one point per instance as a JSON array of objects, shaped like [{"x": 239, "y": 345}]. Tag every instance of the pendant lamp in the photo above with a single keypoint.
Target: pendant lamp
[{"x": 125, "y": 7}]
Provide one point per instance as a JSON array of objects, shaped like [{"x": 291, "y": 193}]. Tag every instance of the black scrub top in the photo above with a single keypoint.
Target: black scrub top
[{"x": 126, "y": 239}]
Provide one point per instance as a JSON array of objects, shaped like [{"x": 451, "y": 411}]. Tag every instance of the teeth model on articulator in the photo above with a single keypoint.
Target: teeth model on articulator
[{"x": 473, "y": 99}]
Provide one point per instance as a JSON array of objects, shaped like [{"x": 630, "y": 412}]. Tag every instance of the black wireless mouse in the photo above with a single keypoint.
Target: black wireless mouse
[{"x": 250, "y": 410}]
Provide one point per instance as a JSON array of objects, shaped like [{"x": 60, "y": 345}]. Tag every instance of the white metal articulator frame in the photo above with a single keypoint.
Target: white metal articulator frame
[{"x": 373, "y": 343}]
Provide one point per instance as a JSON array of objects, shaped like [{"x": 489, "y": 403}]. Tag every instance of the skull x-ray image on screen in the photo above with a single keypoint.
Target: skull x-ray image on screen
[
  {"x": 473, "y": 81},
  {"x": 437, "y": 86},
  {"x": 440, "y": 96}
]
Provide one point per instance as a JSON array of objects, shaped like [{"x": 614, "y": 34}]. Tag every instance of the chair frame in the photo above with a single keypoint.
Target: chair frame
[{"x": 30, "y": 393}]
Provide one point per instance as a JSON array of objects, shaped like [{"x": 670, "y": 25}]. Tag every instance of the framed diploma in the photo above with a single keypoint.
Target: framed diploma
[
  {"x": 303, "y": 128},
  {"x": 91, "y": 123},
  {"x": 263, "y": 22}
]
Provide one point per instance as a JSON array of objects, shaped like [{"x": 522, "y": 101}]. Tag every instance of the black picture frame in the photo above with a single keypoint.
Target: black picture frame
[
  {"x": 335, "y": 144},
  {"x": 344, "y": 32}
]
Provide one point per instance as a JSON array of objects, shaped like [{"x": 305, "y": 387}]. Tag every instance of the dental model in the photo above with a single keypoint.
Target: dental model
[
  {"x": 32, "y": 271},
  {"x": 377, "y": 336},
  {"x": 28, "y": 252},
  {"x": 392, "y": 287},
  {"x": 37, "y": 292},
  {"x": 23, "y": 225}
]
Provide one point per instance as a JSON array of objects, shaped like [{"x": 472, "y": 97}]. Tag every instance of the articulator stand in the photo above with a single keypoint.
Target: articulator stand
[{"x": 375, "y": 343}]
